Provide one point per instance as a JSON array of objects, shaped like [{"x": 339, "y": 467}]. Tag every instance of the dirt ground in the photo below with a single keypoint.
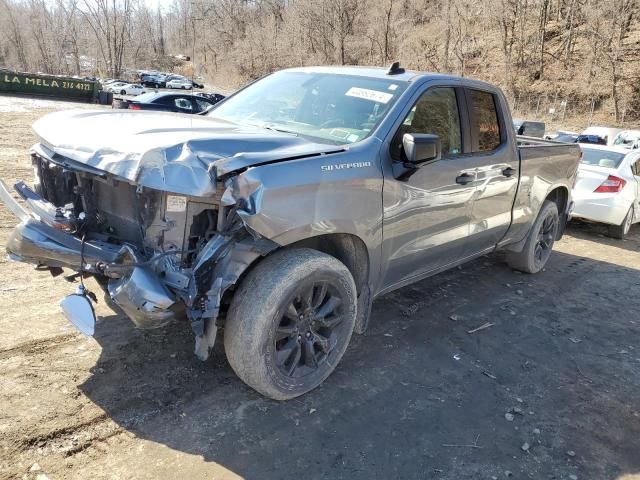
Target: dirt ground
[{"x": 416, "y": 397}]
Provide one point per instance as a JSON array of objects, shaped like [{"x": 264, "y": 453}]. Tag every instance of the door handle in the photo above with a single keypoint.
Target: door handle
[
  {"x": 465, "y": 178},
  {"x": 508, "y": 172}
]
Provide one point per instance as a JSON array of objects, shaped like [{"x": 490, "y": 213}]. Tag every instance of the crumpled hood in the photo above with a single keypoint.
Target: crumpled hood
[{"x": 165, "y": 151}]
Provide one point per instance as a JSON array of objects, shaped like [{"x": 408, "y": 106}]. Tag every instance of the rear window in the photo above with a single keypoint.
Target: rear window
[
  {"x": 602, "y": 158},
  {"x": 486, "y": 115}
]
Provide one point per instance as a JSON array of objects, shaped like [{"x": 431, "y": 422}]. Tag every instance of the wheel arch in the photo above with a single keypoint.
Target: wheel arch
[
  {"x": 560, "y": 196},
  {"x": 347, "y": 248}
]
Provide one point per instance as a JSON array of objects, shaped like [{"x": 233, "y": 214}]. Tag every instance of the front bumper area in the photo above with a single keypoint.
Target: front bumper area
[{"x": 137, "y": 290}]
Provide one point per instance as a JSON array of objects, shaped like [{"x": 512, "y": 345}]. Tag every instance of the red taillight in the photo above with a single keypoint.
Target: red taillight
[
  {"x": 133, "y": 106},
  {"x": 611, "y": 185}
]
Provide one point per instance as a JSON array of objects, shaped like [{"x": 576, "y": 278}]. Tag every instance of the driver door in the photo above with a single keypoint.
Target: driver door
[{"x": 426, "y": 217}]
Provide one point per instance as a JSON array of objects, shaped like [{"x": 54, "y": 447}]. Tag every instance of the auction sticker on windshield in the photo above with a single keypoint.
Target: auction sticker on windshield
[{"x": 373, "y": 95}]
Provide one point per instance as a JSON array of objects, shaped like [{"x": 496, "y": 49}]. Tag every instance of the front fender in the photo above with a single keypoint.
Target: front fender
[{"x": 295, "y": 200}]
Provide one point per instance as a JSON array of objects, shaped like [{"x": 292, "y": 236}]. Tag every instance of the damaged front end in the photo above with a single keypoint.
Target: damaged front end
[{"x": 156, "y": 254}]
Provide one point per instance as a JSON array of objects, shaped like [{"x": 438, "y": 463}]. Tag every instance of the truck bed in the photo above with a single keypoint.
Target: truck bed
[{"x": 542, "y": 162}]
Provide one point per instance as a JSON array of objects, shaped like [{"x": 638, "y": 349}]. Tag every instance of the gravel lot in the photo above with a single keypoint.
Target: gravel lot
[{"x": 550, "y": 391}]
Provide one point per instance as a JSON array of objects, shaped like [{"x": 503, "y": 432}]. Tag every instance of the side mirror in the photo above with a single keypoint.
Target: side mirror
[{"x": 421, "y": 147}]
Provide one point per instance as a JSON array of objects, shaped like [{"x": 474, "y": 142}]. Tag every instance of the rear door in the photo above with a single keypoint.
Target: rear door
[{"x": 495, "y": 161}]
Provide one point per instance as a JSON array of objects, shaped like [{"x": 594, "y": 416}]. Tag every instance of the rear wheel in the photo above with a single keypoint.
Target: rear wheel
[
  {"x": 539, "y": 244},
  {"x": 620, "y": 231},
  {"x": 290, "y": 322},
  {"x": 123, "y": 92}
]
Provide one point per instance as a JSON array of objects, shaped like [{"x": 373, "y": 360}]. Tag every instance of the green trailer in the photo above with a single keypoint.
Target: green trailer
[{"x": 64, "y": 88}]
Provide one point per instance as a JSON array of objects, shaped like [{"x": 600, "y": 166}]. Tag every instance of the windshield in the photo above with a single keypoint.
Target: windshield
[
  {"x": 330, "y": 108},
  {"x": 602, "y": 158}
]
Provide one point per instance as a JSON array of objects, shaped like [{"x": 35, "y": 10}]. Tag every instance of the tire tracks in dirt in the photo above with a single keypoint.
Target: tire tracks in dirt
[{"x": 40, "y": 345}]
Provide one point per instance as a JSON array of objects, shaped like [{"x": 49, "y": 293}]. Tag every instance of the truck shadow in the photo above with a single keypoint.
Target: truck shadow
[{"x": 415, "y": 386}]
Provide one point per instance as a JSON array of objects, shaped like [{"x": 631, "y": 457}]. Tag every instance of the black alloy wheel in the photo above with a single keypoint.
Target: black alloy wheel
[
  {"x": 546, "y": 238},
  {"x": 290, "y": 322},
  {"x": 309, "y": 329}
]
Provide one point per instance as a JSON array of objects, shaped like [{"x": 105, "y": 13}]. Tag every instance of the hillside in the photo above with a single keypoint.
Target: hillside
[{"x": 577, "y": 58}]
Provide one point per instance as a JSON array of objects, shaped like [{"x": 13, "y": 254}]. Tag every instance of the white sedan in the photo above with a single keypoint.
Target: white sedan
[
  {"x": 607, "y": 189},
  {"x": 113, "y": 86},
  {"x": 129, "y": 89},
  {"x": 183, "y": 84}
]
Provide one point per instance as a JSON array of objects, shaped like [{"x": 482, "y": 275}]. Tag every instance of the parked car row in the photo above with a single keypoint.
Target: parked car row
[
  {"x": 149, "y": 81},
  {"x": 606, "y": 136},
  {"x": 160, "y": 80}
]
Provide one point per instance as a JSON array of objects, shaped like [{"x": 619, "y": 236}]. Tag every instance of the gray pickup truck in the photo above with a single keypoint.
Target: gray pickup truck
[{"x": 286, "y": 210}]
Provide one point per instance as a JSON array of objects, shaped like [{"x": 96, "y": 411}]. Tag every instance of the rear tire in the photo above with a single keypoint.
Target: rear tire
[
  {"x": 123, "y": 92},
  {"x": 290, "y": 322},
  {"x": 542, "y": 236},
  {"x": 621, "y": 231}
]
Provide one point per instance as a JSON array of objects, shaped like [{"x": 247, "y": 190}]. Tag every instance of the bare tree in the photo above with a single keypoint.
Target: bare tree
[
  {"x": 110, "y": 20},
  {"x": 585, "y": 49},
  {"x": 15, "y": 35}
]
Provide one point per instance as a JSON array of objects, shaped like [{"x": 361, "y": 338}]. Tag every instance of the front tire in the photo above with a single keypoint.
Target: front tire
[
  {"x": 290, "y": 322},
  {"x": 539, "y": 244},
  {"x": 621, "y": 231},
  {"x": 123, "y": 92}
]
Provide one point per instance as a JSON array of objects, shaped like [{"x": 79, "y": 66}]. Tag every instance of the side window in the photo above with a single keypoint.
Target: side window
[
  {"x": 202, "y": 104},
  {"x": 485, "y": 113},
  {"x": 635, "y": 168},
  {"x": 436, "y": 112},
  {"x": 184, "y": 104}
]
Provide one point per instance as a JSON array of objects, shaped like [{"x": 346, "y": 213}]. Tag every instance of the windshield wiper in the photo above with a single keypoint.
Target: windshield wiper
[{"x": 281, "y": 130}]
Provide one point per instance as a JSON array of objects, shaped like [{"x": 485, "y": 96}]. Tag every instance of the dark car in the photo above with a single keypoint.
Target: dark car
[
  {"x": 171, "y": 102},
  {"x": 591, "y": 139},
  {"x": 152, "y": 81},
  {"x": 529, "y": 128},
  {"x": 214, "y": 97},
  {"x": 566, "y": 138}
]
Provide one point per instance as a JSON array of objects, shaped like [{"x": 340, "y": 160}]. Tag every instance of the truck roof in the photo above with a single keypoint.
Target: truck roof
[{"x": 381, "y": 72}]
